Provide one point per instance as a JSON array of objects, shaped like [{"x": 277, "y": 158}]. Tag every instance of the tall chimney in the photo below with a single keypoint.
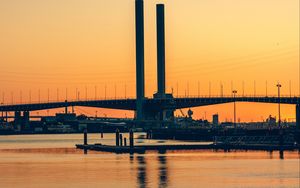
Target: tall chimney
[
  {"x": 160, "y": 24},
  {"x": 140, "y": 80}
]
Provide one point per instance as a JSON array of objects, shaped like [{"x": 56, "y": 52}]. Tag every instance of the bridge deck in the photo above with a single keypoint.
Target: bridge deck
[{"x": 164, "y": 103}]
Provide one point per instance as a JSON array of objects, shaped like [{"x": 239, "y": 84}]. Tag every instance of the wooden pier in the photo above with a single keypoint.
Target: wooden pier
[
  {"x": 226, "y": 144},
  {"x": 143, "y": 148}
]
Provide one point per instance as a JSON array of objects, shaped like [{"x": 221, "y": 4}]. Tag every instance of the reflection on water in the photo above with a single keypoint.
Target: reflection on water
[
  {"x": 36, "y": 160},
  {"x": 142, "y": 173},
  {"x": 43, "y": 150},
  {"x": 163, "y": 169}
]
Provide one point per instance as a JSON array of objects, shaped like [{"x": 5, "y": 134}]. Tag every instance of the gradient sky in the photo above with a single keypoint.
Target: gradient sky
[{"x": 59, "y": 44}]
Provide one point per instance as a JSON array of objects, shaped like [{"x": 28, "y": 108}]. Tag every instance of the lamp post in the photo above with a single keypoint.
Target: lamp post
[
  {"x": 234, "y": 92},
  {"x": 279, "y": 118}
]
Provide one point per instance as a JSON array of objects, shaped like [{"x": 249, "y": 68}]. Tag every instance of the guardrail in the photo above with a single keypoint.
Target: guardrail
[{"x": 132, "y": 98}]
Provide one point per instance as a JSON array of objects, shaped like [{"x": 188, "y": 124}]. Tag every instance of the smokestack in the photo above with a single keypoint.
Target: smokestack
[
  {"x": 160, "y": 24},
  {"x": 140, "y": 81}
]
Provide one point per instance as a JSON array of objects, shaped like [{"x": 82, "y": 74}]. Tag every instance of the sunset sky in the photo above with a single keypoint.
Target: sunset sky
[{"x": 86, "y": 44}]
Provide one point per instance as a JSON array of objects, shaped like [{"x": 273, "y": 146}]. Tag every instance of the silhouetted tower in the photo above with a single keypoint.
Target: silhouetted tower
[
  {"x": 160, "y": 24},
  {"x": 140, "y": 80},
  {"x": 162, "y": 114}
]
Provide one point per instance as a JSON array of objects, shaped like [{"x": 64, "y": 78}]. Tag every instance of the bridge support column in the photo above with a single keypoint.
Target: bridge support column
[
  {"x": 17, "y": 117},
  {"x": 298, "y": 116},
  {"x": 17, "y": 120},
  {"x": 140, "y": 76},
  {"x": 160, "y": 23},
  {"x": 26, "y": 119}
]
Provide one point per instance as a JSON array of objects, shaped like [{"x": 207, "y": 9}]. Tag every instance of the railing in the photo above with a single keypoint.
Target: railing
[
  {"x": 236, "y": 96},
  {"x": 68, "y": 100},
  {"x": 151, "y": 97}
]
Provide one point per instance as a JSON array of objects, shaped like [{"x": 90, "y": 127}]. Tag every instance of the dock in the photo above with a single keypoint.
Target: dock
[
  {"x": 144, "y": 148},
  {"x": 226, "y": 144}
]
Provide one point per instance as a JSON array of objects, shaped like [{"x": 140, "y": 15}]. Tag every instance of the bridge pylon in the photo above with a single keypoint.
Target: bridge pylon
[{"x": 22, "y": 120}]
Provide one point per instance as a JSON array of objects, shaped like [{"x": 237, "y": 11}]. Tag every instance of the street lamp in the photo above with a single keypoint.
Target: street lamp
[
  {"x": 279, "y": 118},
  {"x": 234, "y": 92}
]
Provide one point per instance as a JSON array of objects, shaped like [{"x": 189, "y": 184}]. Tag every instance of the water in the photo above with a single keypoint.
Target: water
[{"x": 44, "y": 161}]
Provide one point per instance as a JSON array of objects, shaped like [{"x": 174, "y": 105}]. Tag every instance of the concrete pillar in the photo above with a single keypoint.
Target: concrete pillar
[
  {"x": 140, "y": 78},
  {"x": 26, "y": 119},
  {"x": 17, "y": 120},
  {"x": 160, "y": 24},
  {"x": 298, "y": 116}
]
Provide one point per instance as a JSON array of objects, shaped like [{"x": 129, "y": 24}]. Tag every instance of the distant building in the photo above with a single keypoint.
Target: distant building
[{"x": 215, "y": 118}]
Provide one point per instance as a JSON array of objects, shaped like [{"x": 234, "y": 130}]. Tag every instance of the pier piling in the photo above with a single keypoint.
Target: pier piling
[
  {"x": 121, "y": 140},
  {"x": 281, "y": 142},
  {"x": 125, "y": 142},
  {"x": 101, "y": 132},
  {"x": 85, "y": 142},
  {"x": 117, "y": 137},
  {"x": 131, "y": 140}
]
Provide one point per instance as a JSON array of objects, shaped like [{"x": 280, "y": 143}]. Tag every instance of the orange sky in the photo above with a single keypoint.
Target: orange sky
[{"x": 82, "y": 44}]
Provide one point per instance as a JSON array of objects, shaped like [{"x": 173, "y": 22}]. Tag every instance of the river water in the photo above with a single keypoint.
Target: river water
[{"x": 42, "y": 161}]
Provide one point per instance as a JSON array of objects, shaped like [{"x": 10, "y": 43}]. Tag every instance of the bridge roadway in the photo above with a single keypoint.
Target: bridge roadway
[{"x": 149, "y": 103}]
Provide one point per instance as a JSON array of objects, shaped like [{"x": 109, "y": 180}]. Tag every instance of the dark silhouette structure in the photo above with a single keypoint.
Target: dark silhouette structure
[
  {"x": 140, "y": 75},
  {"x": 162, "y": 105},
  {"x": 161, "y": 72}
]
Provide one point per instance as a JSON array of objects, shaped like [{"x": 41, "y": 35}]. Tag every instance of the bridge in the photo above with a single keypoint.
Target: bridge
[
  {"x": 152, "y": 105},
  {"x": 149, "y": 103},
  {"x": 162, "y": 105}
]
